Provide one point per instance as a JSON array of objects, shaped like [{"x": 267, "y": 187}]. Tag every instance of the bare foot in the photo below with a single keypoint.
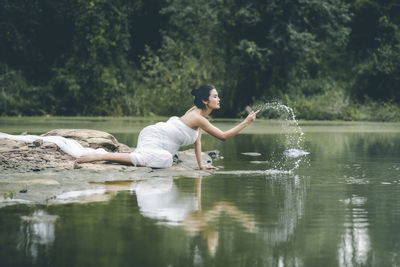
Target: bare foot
[{"x": 89, "y": 157}]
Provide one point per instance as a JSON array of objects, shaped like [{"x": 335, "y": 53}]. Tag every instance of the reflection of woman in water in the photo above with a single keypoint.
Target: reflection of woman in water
[
  {"x": 161, "y": 200},
  {"x": 157, "y": 144}
]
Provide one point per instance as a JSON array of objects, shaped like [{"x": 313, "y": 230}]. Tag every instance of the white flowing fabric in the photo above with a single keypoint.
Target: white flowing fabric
[
  {"x": 69, "y": 146},
  {"x": 158, "y": 143}
]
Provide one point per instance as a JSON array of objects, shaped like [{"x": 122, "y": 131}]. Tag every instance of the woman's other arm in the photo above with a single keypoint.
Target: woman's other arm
[{"x": 197, "y": 150}]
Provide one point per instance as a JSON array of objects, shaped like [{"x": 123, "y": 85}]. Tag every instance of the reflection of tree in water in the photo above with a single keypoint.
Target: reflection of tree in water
[
  {"x": 37, "y": 233},
  {"x": 367, "y": 159},
  {"x": 354, "y": 248},
  {"x": 288, "y": 196}
]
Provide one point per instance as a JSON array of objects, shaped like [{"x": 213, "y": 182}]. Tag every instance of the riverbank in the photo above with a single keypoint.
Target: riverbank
[{"x": 41, "y": 173}]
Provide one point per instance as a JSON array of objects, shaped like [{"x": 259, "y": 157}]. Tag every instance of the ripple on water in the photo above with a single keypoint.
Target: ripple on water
[
  {"x": 271, "y": 172},
  {"x": 355, "y": 180},
  {"x": 252, "y": 154},
  {"x": 294, "y": 153},
  {"x": 259, "y": 161}
]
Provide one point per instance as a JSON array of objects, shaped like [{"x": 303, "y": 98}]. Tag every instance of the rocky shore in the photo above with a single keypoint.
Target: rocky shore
[
  {"x": 37, "y": 172},
  {"x": 39, "y": 155}
]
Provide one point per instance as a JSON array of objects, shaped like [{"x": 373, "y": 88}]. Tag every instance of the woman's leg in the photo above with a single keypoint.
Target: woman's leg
[
  {"x": 151, "y": 157},
  {"x": 117, "y": 157}
]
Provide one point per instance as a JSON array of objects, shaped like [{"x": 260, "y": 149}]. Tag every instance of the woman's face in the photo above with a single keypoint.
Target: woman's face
[{"x": 213, "y": 100}]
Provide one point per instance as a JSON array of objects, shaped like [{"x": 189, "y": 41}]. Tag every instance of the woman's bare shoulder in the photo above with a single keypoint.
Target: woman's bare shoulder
[
  {"x": 191, "y": 109},
  {"x": 193, "y": 119}
]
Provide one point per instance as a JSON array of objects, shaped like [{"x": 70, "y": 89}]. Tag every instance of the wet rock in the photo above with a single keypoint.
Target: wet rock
[{"x": 214, "y": 154}]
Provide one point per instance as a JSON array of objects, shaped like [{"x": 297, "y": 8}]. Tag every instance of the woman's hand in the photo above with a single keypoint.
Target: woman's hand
[
  {"x": 208, "y": 167},
  {"x": 251, "y": 117}
]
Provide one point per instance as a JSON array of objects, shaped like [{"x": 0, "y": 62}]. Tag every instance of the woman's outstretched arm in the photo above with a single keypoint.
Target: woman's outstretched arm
[{"x": 214, "y": 131}]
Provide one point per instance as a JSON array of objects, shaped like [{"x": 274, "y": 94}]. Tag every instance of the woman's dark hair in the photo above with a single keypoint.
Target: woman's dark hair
[{"x": 201, "y": 93}]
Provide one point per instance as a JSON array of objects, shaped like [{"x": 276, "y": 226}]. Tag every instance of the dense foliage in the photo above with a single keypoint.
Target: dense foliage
[{"x": 329, "y": 59}]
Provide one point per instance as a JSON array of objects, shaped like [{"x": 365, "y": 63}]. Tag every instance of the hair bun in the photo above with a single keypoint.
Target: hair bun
[{"x": 194, "y": 90}]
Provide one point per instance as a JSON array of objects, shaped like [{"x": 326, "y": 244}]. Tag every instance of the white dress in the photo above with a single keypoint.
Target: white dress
[{"x": 158, "y": 143}]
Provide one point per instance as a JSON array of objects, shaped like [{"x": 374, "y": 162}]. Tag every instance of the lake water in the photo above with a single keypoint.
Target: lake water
[{"x": 339, "y": 207}]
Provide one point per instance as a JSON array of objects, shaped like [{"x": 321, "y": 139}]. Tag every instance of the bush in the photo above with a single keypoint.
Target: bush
[
  {"x": 328, "y": 105},
  {"x": 378, "y": 111},
  {"x": 19, "y": 98}
]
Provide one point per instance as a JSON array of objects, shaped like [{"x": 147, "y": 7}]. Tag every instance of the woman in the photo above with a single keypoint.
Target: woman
[{"x": 157, "y": 144}]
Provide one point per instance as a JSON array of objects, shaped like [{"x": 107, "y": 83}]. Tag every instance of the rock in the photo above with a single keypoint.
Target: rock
[
  {"x": 16, "y": 154},
  {"x": 7, "y": 144},
  {"x": 214, "y": 154},
  {"x": 188, "y": 159},
  {"x": 125, "y": 149},
  {"x": 77, "y": 165},
  {"x": 49, "y": 146},
  {"x": 38, "y": 142},
  {"x": 92, "y": 138}
]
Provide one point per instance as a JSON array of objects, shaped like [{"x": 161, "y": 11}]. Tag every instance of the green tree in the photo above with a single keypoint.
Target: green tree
[
  {"x": 375, "y": 49},
  {"x": 102, "y": 57},
  {"x": 33, "y": 35},
  {"x": 189, "y": 56},
  {"x": 93, "y": 80},
  {"x": 256, "y": 49}
]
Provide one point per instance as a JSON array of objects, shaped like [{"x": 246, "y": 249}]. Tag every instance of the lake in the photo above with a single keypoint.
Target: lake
[{"x": 339, "y": 205}]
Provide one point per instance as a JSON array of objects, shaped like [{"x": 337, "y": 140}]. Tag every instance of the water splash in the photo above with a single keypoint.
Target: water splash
[
  {"x": 289, "y": 124},
  {"x": 288, "y": 160}
]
